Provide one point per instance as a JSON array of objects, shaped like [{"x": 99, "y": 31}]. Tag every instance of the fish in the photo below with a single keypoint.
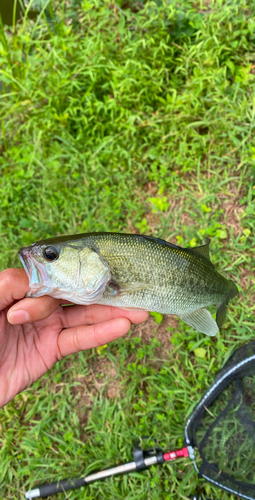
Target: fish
[{"x": 130, "y": 271}]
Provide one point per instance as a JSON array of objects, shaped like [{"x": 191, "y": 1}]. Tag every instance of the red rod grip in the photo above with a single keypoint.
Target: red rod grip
[{"x": 176, "y": 454}]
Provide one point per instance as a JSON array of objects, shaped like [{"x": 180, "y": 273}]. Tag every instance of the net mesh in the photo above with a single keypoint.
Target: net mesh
[{"x": 221, "y": 430}]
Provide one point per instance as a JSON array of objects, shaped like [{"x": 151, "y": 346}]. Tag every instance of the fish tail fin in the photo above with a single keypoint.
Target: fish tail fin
[{"x": 222, "y": 307}]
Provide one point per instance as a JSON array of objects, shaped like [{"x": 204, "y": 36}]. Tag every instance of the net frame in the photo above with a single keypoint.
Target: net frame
[{"x": 239, "y": 365}]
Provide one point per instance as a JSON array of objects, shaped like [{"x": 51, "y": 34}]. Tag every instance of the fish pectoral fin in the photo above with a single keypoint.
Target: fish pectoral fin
[
  {"x": 201, "y": 320},
  {"x": 135, "y": 286}
]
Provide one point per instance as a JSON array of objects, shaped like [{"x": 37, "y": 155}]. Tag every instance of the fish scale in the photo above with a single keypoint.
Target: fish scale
[{"x": 130, "y": 271}]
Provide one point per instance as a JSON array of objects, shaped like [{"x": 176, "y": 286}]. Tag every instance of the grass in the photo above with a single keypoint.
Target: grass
[{"x": 137, "y": 117}]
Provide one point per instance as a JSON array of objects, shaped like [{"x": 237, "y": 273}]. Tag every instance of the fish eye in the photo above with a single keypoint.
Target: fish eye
[{"x": 50, "y": 253}]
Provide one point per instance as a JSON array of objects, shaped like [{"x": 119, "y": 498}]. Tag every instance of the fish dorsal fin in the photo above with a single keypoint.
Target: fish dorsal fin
[{"x": 203, "y": 249}]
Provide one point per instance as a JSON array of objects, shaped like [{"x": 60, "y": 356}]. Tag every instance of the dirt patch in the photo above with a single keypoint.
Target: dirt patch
[
  {"x": 151, "y": 189},
  {"x": 153, "y": 221},
  {"x": 186, "y": 219},
  {"x": 83, "y": 392},
  {"x": 109, "y": 378},
  {"x": 207, "y": 4},
  {"x": 233, "y": 213},
  {"x": 103, "y": 376},
  {"x": 150, "y": 329},
  {"x": 244, "y": 278},
  {"x": 247, "y": 282}
]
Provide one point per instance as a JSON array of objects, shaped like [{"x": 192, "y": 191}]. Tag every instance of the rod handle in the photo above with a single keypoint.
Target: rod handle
[{"x": 47, "y": 490}]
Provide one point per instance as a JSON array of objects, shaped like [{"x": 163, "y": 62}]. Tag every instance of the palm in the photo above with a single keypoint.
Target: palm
[{"x": 28, "y": 351}]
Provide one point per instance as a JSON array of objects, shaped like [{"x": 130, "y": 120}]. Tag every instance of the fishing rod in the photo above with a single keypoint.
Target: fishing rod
[{"x": 143, "y": 459}]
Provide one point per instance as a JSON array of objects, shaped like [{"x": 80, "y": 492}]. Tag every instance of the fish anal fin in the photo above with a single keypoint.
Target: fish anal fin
[
  {"x": 203, "y": 249},
  {"x": 201, "y": 320}
]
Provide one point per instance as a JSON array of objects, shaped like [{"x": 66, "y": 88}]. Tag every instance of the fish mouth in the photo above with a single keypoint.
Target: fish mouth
[
  {"x": 36, "y": 273},
  {"x": 25, "y": 258}
]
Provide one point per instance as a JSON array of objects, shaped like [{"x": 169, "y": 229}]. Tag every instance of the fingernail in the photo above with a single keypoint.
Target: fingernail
[{"x": 18, "y": 317}]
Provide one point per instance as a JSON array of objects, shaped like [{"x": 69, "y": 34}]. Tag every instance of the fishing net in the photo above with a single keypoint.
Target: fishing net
[
  {"x": 220, "y": 433},
  {"x": 219, "y": 436}
]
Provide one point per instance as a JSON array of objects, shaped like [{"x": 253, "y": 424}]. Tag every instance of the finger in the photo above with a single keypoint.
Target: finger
[
  {"x": 88, "y": 315},
  {"x": 13, "y": 286},
  {"x": 81, "y": 338},
  {"x": 29, "y": 310}
]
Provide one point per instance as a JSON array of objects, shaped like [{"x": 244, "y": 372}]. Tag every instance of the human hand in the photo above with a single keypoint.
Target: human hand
[{"x": 36, "y": 333}]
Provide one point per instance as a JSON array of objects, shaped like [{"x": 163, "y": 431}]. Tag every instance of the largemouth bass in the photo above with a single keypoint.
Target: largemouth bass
[{"x": 130, "y": 271}]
